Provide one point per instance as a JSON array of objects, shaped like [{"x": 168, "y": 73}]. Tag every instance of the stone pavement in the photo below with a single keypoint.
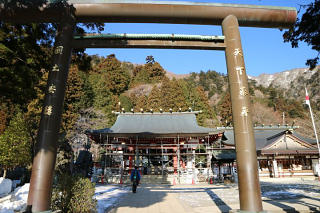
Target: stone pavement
[{"x": 278, "y": 196}]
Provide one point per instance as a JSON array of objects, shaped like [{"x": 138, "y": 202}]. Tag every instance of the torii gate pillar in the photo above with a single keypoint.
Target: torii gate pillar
[
  {"x": 249, "y": 187},
  {"x": 39, "y": 198}
]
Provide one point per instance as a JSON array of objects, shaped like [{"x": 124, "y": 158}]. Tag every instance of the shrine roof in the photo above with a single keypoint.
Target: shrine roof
[
  {"x": 309, "y": 140},
  {"x": 156, "y": 125},
  {"x": 265, "y": 136}
]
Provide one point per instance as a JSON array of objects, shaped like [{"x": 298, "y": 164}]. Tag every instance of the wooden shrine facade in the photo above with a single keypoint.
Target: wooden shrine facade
[
  {"x": 159, "y": 143},
  {"x": 281, "y": 151}
]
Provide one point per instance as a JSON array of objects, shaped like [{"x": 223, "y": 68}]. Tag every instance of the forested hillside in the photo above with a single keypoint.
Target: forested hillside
[
  {"x": 102, "y": 85},
  {"x": 97, "y": 86}
]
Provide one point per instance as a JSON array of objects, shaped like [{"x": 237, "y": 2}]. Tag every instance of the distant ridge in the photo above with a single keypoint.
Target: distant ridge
[
  {"x": 285, "y": 78},
  {"x": 171, "y": 75}
]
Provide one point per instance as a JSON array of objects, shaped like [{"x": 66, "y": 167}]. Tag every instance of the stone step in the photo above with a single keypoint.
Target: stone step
[{"x": 153, "y": 179}]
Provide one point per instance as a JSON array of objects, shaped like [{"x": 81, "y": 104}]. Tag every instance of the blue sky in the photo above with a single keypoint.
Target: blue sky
[{"x": 264, "y": 49}]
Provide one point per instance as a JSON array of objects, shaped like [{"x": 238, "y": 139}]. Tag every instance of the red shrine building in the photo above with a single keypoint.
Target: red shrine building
[
  {"x": 170, "y": 147},
  {"x": 167, "y": 144}
]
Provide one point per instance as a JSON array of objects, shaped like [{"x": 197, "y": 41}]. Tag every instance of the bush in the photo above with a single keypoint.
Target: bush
[
  {"x": 82, "y": 193},
  {"x": 73, "y": 194}
]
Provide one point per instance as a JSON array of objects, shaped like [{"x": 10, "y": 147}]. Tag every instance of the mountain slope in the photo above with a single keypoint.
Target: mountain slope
[{"x": 285, "y": 78}]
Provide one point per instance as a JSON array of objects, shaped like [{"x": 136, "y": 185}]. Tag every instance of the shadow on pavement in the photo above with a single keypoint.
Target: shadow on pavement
[
  {"x": 224, "y": 197},
  {"x": 150, "y": 194},
  {"x": 219, "y": 202},
  {"x": 284, "y": 207},
  {"x": 146, "y": 195},
  {"x": 277, "y": 193}
]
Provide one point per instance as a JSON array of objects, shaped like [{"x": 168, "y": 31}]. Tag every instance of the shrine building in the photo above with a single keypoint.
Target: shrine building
[
  {"x": 156, "y": 142},
  {"x": 170, "y": 147}
]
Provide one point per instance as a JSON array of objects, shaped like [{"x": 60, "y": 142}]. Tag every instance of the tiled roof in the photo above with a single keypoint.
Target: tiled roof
[
  {"x": 309, "y": 140},
  {"x": 180, "y": 123},
  {"x": 265, "y": 136},
  {"x": 261, "y": 136}
]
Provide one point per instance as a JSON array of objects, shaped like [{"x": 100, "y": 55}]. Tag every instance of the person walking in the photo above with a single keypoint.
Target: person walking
[{"x": 135, "y": 179}]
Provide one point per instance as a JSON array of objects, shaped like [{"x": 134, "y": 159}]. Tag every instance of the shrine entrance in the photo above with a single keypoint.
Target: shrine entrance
[{"x": 68, "y": 13}]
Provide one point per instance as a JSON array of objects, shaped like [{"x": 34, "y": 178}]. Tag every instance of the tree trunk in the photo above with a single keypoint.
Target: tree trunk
[{"x": 4, "y": 173}]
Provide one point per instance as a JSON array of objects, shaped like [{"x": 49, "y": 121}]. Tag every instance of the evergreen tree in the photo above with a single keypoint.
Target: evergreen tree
[
  {"x": 114, "y": 107},
  {"x": 125, "y": 102},
  {"x": 272, "y": 100},
  {"x": 136, "y": 70},
  {"x": 141, "y": 103},
  {"x": 87, "y": 99},
  {"x": 155, "y": 71},
  {"x": 201, "y": 104},
  {"x": 154, "y": 99},
  {"x": 6, "y": 112},
  {"x": 15, "y": 144},
  {"x": 172, "y": 95},
  {"x": 151, "y": 72},
  {"x": 71, "y": 107},
  {"x": 225, "y": 110},
  {"x": 74, "y": 93},
  {"x": 34, "y": 108},
  {"x": 150, "y": 59},
  {"x": 197, "y": 99},
  {"x": 117, "y": 78},
  {"x": 3, "y": 119},
  {"x": 24, "y": 50},
  {"x": 102, "y": 94},
  {"x": 142, "y": 76}
]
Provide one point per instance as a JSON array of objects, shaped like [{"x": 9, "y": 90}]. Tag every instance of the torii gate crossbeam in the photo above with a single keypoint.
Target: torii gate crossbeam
[{"x": 68, "y": 13}]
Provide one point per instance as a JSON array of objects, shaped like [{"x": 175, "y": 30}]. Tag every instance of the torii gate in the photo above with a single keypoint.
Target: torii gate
[{"x": 68, "y": 13}]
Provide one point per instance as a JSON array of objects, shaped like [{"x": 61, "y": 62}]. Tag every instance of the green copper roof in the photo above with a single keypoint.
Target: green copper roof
[{"x": 152, "y": 37}]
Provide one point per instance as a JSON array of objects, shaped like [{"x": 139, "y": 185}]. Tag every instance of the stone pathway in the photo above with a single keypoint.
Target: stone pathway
[{"x": 278, "y": 196}]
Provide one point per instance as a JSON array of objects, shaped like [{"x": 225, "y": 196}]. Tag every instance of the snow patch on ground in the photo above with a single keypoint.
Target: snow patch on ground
[
  {"x": 5, "y": 186},
  {"x": 290, "y": 191},
  {"x": 108, "y": 195},
  {"x": 18, "y": 200}
]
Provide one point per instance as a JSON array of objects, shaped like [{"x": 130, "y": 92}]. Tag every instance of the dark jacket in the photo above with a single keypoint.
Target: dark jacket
[{"x": 135, "y": 174}]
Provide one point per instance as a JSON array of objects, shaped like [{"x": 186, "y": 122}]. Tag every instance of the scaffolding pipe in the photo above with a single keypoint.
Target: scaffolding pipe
[
  {"x": 162, "y": 159},
  {"x": 178, "y": 152}
]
